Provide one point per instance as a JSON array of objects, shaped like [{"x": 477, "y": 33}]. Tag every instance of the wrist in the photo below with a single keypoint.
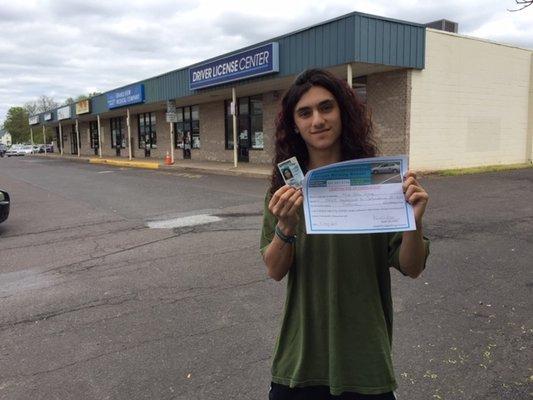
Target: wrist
[
  {"x": 285, "y": 238},
  {"x": 286, "y": 229}
]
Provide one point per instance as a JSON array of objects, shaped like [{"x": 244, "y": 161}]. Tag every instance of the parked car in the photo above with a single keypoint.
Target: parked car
[
  {"x": 14, "y": 150},
  {"x": 386, "y": 168},
  {"x": 3, "y": 149},
  {"x": 26, "y": 149},
  {"x": 49, "y": 148},
  {"x": 35, "y": 149},
  {"x": 4, "y": 205}
]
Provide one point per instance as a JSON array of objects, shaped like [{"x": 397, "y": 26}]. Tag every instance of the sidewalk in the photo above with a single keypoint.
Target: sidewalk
[{"x": 211, "y": 167}]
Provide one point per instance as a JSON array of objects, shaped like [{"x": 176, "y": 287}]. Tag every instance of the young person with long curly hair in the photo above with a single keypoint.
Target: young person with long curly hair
[{"x": 336, "y": 335}]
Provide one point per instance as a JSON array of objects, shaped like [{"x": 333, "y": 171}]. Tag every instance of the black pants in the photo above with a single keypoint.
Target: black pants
[{"x": 282, "y": 392}]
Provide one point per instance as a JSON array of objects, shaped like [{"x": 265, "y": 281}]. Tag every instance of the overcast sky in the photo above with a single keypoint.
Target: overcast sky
[{"x": 66, "y": 48}]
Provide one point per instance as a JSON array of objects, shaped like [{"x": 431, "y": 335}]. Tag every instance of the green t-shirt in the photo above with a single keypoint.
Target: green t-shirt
[{"x": 337, "y": 324}]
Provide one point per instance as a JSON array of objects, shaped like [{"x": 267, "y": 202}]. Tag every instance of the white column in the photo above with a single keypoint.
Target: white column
[
  {"x": 172, "y": 142},
  {"x": 60, "y": 138},
  {"x": 234, "y": 100},
  {"x": 349, "y": 74},
  {"x": 78, "y": 137},
  {"x": 129, "y": 131},
  {"x": 44, "y": 139},
  {"x": 99, "y": 137}
]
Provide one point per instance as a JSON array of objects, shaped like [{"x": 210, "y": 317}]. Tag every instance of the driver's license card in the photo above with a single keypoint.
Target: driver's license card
[{"x": 291, "y": 172}]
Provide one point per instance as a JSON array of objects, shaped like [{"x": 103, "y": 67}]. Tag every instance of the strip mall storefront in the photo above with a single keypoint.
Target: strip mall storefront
[{"x": 411, "y": 77}]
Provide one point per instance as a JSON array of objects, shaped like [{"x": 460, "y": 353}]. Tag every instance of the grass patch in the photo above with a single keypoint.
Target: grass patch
[{"x": 480, "y": 170}]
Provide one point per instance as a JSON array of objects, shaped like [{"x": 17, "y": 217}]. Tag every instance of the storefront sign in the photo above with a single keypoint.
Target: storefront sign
[
  {"x": 82, "y": 107},
  {"x": 63, "y": 113},
  {"x": 33, "y": 120},
  {"x": 259, "y": 61},
  {"x": 131, "y": 95},
  {"x": 48, "y": 116}
]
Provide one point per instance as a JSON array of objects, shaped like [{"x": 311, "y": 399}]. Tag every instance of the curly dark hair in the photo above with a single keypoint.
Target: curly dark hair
[{"x": 356, "y": 136}]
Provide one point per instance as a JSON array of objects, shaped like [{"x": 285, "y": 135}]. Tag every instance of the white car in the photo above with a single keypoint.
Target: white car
[
  {"x": 19, "y": 150},
  {"x": 14, "y": 150}
]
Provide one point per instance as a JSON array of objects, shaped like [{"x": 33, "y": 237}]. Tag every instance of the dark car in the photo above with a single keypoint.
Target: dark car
[
  {"x": 3, "y": 149},
  {"x": 4, "y": 205}
]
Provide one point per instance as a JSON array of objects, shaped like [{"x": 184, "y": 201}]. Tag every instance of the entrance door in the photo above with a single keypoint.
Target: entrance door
[
  {"x": 94, "y": 136},
  {"x": 117, "y": 136},
  {"x": 73, "y": 141},
  {"x": 244, "y": 133},
  {"x": 244, "y": 146},
  {"x": 58, "y": 140}
]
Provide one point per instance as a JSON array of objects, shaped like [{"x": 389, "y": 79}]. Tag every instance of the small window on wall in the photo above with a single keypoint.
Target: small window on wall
[
  {"x": 187, "y": 129},
  {"x": 249, "y": 119}
]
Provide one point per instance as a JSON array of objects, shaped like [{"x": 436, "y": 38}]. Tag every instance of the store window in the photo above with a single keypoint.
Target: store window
[
  {"x": 187, "y": 129},
  {"x": 147, "y": 131},
  {"x": 93, "y": 133},
  {"x": 249, "y": 123},
  {"x": 118, "y": 134}
]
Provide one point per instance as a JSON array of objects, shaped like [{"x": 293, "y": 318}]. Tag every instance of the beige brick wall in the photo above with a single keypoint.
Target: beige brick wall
[
  {"x": 388, "y": 97},
  {"x": 469, "y": 106},
  {"x": 529, "y": 141},
  {"x": 212, "y": 139}
]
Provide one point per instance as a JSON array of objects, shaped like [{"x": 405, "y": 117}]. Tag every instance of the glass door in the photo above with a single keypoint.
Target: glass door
[
  {"x": 73, "y": 140},
  {"x": 243, "y": 129}
]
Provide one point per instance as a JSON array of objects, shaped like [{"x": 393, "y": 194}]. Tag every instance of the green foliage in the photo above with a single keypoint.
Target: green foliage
[{"x": 17, "y": 124}]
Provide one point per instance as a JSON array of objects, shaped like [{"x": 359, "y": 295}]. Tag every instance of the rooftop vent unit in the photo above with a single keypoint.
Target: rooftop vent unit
[{"x": 444, "y": 25}]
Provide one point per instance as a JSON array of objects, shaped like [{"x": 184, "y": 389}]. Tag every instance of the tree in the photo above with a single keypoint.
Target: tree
[
  {"x": 522, "y": 4},
  {"x": 17, "y": 124},
  {"x": 81, "y": 97},
  {"x": 32, "y": 107},
  {"x": 45, "y": 103}
]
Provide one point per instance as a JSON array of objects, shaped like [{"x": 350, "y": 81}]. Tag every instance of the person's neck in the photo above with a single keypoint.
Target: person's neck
[{"x": 321, "y": 158}]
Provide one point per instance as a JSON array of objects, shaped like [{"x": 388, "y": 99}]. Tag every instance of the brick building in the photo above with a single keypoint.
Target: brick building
[{"x": 444, "y": 99}]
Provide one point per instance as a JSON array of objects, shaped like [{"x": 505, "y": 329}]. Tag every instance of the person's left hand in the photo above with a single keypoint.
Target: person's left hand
[{"x": 415, "y": 195}]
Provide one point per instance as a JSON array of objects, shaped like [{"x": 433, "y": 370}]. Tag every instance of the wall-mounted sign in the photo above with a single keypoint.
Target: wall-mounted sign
[
  {"x": 131, "y": 95},
  {"x": 82, "y": 107},
  {"x": 48, "y": 116},
  {"x": 63, "y": 113},
  {"x": 33, "y": 120},
  {"x": 171, "y": 106},
  {"x": 258, "y": 61}
]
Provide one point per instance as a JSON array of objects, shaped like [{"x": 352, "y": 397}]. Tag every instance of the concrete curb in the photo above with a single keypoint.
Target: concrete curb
[
  {"x": 197, "y": 169},
  {"x": 120, "y": 163}
]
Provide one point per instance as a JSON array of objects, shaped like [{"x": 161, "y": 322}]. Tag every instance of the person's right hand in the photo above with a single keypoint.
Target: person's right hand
[{"x": 284, "y": 205}]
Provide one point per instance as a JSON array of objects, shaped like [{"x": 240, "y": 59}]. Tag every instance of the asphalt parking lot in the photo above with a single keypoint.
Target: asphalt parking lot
[{"x": 98, "y": 305}]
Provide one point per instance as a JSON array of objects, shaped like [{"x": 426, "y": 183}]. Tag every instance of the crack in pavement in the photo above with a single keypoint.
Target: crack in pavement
[
  {"x": 82, "y": 237},
  {"x": 63, "y": 228},
  {"x": 84, "y": 306},
  {"x": 124, "y": 348}
]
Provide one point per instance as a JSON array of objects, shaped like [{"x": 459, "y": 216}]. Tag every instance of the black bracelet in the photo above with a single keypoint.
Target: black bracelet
[{"x": 285, "y": 238}]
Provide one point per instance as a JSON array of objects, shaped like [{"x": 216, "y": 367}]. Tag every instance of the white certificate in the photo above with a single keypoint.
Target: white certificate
[{"x": 358, "y": 196}]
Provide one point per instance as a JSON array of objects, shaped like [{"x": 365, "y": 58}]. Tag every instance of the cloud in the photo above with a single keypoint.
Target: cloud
[{"x": 64, "y": 48}]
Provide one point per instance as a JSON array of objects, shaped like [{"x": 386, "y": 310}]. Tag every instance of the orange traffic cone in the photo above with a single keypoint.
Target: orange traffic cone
[{"x": 168, "y": 160}]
